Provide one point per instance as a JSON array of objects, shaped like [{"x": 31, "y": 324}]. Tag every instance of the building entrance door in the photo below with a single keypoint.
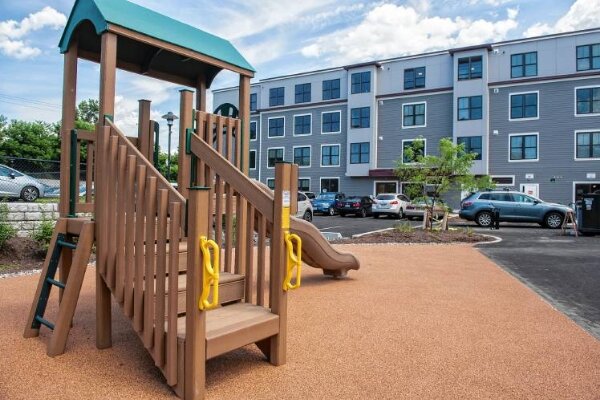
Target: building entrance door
[{"x": 585, "y": 188}]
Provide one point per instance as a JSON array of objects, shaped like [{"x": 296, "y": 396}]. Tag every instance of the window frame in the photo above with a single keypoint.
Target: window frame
[
  {"x": 361, "y": 82},
  {"x": 360, "y": 153},
  {"x": 255, "y": 95},
  {"x": 310, "y": 126},
  {"x": 412, "y": 140},
  {"x": 330, "y": 177},
  {"x": 277, "y": 97},
  {"x": 282, "y": 156},
  {"x": 458, "y": 78},
  {"x": 414, "y": 80},
  {"x": 340, "y": 123},
  {"x": 302, "y": 93},
  {"x": 330, "y": 90},
  {"x": 583, "y": 115},
  {"x": 309, "y": 155},
  {"x": 339, "y": 146},
  {"x": 537, "y": 134},
  {"x": 590, "y": 57},
  {"x": 504, "y": 176},
  {"x": 255, "y": 130},
  {"x": 269, "y": 127},
  {"x": 309, "y": 183},
  {"x": 394, "y": 182},
  {"x": 577, "y": 132},
  {"x": 360, "y": 118},
  {"x": 255, "y": 159},
  {"x": 470, "y": 138},
  {"x": 424, "y": 115},
  {"x": 510, "y": 96},
  {"x": 470, "y": 108},
  {"x": 523, "y": 65},
  {"x": 271, "y": 180}
]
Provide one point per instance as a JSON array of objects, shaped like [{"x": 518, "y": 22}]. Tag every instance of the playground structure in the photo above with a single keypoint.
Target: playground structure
[{"x": 158, "y": 249}]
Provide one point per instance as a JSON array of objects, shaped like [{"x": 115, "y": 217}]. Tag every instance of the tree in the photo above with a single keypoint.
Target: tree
[
  {"x": 436, "y": 175},
  {"x": 88, "y": 111},
  {"x": 29, "y": 140}
]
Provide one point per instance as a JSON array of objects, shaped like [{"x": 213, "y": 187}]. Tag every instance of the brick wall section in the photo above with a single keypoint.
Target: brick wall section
[{"x": 25, "y": 217}]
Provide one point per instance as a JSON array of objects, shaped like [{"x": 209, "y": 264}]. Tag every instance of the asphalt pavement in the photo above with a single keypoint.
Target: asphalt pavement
[{"x": 351, "y": 225}]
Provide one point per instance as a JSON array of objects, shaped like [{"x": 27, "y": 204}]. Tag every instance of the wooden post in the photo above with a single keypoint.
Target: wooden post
[
  {"x": 195, "y": 319},
  {"x": 144, "y": 142},
  {"x": 108, "y": 65},
  {"x": 184, "y": 159},
  {"x": 277, "y": 355},
  {"x": 69, "y": 105},
  {"x": 243, "y": 151},
  {"x": 201, "y": 94},
  {"x": 244, "y": 109}
]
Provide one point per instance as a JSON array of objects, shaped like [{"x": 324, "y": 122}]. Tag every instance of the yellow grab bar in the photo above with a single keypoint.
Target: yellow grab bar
[
  {"x": 294, "y": 261},
  {"x": 211, "y": 273}
]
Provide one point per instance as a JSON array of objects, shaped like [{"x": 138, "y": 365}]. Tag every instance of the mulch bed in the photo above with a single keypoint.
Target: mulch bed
[
  {"x": 420, "y": 236},
  {"x": 21, "y": 254}
]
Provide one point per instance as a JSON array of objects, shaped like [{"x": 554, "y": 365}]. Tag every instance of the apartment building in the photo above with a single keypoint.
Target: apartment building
[{"x": 529, "y": 108}]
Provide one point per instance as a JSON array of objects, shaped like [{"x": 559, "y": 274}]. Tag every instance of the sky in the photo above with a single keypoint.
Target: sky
[{"x": 277, "y": 36}]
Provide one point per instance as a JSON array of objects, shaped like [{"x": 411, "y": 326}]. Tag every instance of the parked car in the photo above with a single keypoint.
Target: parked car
[
  {"x": 325, "y": 202},
  {"x": 416, "y": 208},
  {"x": 390, "y": 204},
  {"x": 311, "y": 195},
  {"x": 15, "y": 184},
  {"x": 361, "y": 206},
  {"x": 305, "y": 208},
  {"x": 513, "y": 207}
]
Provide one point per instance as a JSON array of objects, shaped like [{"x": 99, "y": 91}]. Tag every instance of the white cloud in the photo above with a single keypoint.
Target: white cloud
[
  {"x": 13, "y": 33},
  {"x": 390, "y": 30},
  {"x": 583, "y": 14},
  {"x": 494, "y": 3}
]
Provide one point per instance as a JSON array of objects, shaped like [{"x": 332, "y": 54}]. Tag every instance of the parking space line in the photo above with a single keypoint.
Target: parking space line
[{"x": 330, "y": 227}]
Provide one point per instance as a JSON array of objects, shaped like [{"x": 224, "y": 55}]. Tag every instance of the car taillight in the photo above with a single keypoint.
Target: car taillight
[
  {"x": 467, "y": 204},
  {"x": 394, "y": 202},
  {"x": 356, "y": 204}
]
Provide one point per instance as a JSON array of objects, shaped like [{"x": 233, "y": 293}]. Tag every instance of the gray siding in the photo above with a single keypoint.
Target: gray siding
[
  {"x": 556, "y": 143},
  {"x": 438, "y": 125}
]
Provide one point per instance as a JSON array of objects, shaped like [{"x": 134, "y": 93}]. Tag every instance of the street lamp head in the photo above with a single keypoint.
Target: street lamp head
[{"x": 170, "y": 117}]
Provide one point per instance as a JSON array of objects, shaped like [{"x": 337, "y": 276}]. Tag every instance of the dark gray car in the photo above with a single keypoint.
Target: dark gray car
[{"x": 513, "y": 207}]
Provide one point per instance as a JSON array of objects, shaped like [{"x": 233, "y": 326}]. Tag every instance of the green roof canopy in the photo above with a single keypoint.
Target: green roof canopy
[{"x": 90, "y": 18}]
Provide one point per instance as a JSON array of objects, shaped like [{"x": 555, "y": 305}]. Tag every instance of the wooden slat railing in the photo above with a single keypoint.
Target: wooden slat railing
[{"x": 89, "y": 138}]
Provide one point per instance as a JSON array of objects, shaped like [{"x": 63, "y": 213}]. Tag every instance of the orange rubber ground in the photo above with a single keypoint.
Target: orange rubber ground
[{"x": 414, "y": 322}]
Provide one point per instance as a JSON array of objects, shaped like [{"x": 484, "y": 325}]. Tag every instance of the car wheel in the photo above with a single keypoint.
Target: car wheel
[
  {"x": 400, "y": 214},
  {"x": 362, "y": 213},
  {"x": 331, "y": 211},
  {"x": 375, "y": 216},
  {"x": 30, "y": 193},
  {"x": 484, "y": 218},
  {"x": 553, "y": 220},
  {"x": 307, "y": 216}
]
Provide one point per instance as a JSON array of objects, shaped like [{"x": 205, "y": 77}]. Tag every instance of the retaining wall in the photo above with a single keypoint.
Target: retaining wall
[{"x": 25, "y": 217}]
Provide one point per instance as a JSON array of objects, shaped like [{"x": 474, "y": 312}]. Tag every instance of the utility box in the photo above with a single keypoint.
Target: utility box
[{"x": 588, "y": 213}]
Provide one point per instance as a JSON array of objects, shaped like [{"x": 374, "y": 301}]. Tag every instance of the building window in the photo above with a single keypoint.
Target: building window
[
  {"x": 253, "y": 101},
  {"x": 588, "y": 57},
  {"x": 504, "y": 180},
  {"x": 271, "y": 183},
  {"x": 588, "y": 145},
  {"x": 469, "y": 68},
  {"x": 303, "y": 93},
  {"x": 253, "y": 133},
  {"x": 331, "y": 89},
  {"x": 359, "y": 153},
  {"x": 523, "y": 147},
  {"x": 252, "y": 159},
  {"x": 413, "y": 114},
  {"x": 331, "y": 122},
  {"x": 304, "y": 184},
  {"x": 414, "y": 78},
  {"x": 469, "y": 108},
  {"x": 472, "y": 144},
  {"x": 274, "y": 156},
  {"x": 330, "y": 185},
  {"x": 418, "y": 150},
  {"x": 523, "y": 64},
  {"x": 361, "y": 117},
  {"x": 303, "y": 124},
  {"x": 302, "y": 156},
  {"x": 330, "y": 155},
  {"x": 277, "y": 127},
  {"x": 523, "y": 105},
  {"x": 276, "y": 96},
  {"x": 361, "y": 82},
  {"x": 588, "y": 100}
]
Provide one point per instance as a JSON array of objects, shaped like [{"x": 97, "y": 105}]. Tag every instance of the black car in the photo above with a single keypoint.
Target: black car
[{"x": 361, "y": 206}]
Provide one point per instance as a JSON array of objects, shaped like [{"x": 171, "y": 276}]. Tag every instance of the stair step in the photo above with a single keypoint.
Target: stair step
[
  {"x": 231, "y": 288},
  {"x": 234, "y": 326}
]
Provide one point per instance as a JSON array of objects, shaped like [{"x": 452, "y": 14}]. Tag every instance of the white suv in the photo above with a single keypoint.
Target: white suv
[
  {"x": 305, "y": 209},
  {"x": 391, "y": 204}
]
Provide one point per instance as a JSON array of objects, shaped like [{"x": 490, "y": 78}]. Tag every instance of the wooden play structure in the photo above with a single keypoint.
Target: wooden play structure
[{"x": 199, "y": 270}]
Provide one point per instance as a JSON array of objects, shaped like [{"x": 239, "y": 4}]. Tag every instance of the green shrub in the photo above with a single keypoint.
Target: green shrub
[
  {"x": 7, "y": 231},
  {"x": 43, "y": 233},
  {"x": 404, "y": 227}
]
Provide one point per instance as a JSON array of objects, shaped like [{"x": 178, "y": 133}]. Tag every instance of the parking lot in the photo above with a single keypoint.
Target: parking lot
[{"x": 351, "y": 225}]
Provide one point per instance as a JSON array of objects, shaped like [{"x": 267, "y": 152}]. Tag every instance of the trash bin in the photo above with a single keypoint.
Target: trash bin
[{"x": 588, "y": 213}]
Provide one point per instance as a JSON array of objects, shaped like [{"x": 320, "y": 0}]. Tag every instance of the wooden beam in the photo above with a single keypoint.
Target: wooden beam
[
  {"x": 108, "y": 68},
  {"x": 185, "y": 122},
  {"x": 144, "y": 144},
  {"x": 201, "y": 93},
  {"x": 244, "y": 116}
]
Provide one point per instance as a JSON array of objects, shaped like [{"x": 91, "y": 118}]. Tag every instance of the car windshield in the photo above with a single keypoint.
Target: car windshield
[
  {"x": 353, "y": 198},
  {"x": 386, "y": 197},
  {"x": 326, "y": 196}
]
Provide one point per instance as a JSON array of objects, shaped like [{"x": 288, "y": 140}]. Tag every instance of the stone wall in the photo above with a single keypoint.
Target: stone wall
[{"x": 25, "y": 217}]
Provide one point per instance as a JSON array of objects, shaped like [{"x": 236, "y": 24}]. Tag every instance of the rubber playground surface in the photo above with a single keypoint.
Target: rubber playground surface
[{"x": 414, "y": 322}]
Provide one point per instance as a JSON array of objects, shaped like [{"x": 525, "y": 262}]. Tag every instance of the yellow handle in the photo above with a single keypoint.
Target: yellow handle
[
  {"x": 294, "y": 261},
  {"x": 211, "y": 273}
]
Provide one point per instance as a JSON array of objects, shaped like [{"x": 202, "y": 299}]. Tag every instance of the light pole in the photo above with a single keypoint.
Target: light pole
[{"x": 170, "y": 117}]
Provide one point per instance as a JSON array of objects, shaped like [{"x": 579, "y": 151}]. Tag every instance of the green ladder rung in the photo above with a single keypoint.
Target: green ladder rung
[
  {"x": 44, "y": 322},
  {"x": 66, "y": 244},
  {"x": 55, "y": 283}
]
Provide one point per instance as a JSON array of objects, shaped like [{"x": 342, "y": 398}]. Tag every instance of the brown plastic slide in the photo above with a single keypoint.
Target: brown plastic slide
[{"x": 316, "y": 250}]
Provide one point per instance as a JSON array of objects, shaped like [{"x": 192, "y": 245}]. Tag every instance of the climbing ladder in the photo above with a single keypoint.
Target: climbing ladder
[{"x": 74, "y": 256}]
